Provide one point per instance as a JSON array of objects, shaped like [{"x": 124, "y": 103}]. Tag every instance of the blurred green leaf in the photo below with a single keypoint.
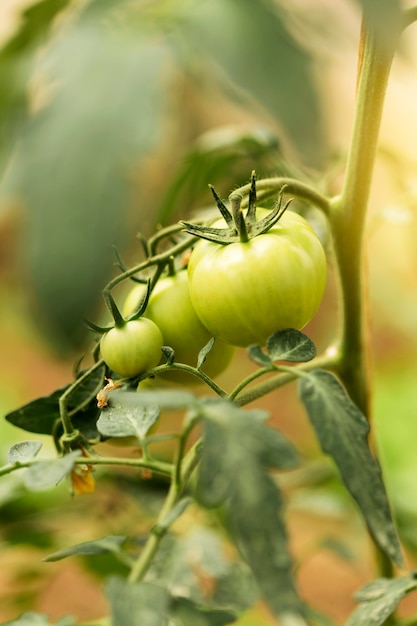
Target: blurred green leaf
[
  {"x": 139, "y": 604},
  {"x": 342, "y": 431},
  {"x": 24, "y": 451},
  {"x": 29, "y": 619},
  {"x": 254, "y": 515},
  {"x": 45, "y": 474},
  {"x": 124, "y": 417},
  {"x": 170, "y": 400},
  {"x": 379, "y": 600},
  {"x": 226, "y": 154},
  {"x": 201, "y": 553},
  {"x": 237, "y": 449},
  {"x": 240, "y": 39},
  {"x": 384, "y": 17},
  {"x": 16, "y": 63},
  {"x": 72, "y": 167},
  {"x": 230, "y": 436},
  {"x": 188, "y": 613},
  {"x": 111, "y": 543}
]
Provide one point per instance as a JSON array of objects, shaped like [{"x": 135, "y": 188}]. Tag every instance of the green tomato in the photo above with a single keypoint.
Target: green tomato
[
  {"x": 170, "y": 308},
  {"x": 244, "y": 292},
  {"x": 133, "y": 348}
]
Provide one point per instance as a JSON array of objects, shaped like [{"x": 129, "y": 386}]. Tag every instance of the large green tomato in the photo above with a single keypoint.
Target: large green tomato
[
  {"x": 170, "y": 308},
  {"x": 244, "y": 292},
  {"x": 133, "y": 348}
]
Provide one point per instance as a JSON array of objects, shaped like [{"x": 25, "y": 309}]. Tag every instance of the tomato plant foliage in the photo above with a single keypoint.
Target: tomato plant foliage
[{"x": 207, "y": 299}]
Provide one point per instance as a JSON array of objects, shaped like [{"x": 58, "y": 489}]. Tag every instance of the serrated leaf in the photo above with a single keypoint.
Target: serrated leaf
[
  {"x": 342, "y": 431},
  {"x": 256, "y": 354},
  {"x": 290, "y": 344},
  {"x": 47, "y": 474},
  {"x": 138, "y": 604},
  {"x": 23, "y": 451},
  {"x": 255, "y": 520},
  {"x": 40, "y": 415},
  {"x": 230, "y": 435},
  {"x": 110, "y": 543},
  {"x": 237, "y": 450},
  {"x": 379, "y": 600},
  {"x": 188, "y": 613},
  {"x": 125, "y": 417}
]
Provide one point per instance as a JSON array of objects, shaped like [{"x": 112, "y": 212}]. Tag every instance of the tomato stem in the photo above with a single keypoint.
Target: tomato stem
[
  {"x": 348, "y": 217},
  {"x": 347, "y": 220},
  {"x": 239, "y": 218}
]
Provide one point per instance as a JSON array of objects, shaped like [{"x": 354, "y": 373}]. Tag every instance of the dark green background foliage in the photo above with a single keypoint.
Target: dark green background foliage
[
  {"x": 86, "y": 100},
  {"x": 115, "y": 84}
]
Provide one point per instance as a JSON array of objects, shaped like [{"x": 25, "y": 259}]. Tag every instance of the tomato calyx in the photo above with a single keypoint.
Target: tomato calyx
[
  {"x": 240, "y": 227},
  {"x": 119, "y": 320}
]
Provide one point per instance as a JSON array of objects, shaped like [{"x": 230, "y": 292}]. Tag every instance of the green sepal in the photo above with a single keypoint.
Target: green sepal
[
  {"x": 142, "y": 306},
  {"x": 241, "y": 228}
]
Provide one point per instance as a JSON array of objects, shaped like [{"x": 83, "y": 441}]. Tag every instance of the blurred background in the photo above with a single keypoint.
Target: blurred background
[{"x": 115, "y": 115}]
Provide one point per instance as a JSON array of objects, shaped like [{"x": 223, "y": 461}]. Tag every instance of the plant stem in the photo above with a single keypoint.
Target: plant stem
[
  {"x": 347, "y": 220},
  {"x": 180, "y": 473},
  {"x": 267, "y": 187},
  {"x": 349, "y": 212}
]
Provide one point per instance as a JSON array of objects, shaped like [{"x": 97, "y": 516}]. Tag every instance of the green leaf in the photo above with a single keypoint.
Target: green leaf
[
  {"x": 234, "y": 35},
  {"x": 40, "y": 415},
  {"x": 254, "y": 515},
  {"x": 379, "y": 600},
  {"x": 235, "y": 589},
  {"x": 174, "y": 513},
  {"x": 45, "y": 474},
  {"x": 29, "y": 619},
  {"x": 38, "y": 619},
  {"x": 125, "y": 417},
  {"x": 342, "y": 431},
  {"x": 23, "y": 451},
  {"x": 139, "y": 604},
  {"x": 91, "y": 144},
  {"x": 188, "y": 613},
  {"x": 16, "y": 62},
  {"x": 384, "y": 18},
  {"x": 170, "y": 400},
  {"x": 110, "y": 543},
  {"x": 224, "y": 154},
  {"x": 202, "y": 355},
  {"x": 290, "y": 345},
  {"x": 237, "y": 449},
  {"x": 230, "y": 435},
  {"x": 257, "y": 355}
]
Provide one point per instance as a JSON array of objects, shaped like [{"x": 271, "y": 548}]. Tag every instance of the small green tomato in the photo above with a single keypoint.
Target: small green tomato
[{"x": 133, "y": 348}]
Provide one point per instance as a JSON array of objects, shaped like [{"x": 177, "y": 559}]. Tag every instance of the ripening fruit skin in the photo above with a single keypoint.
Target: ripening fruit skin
[
  {"x": 133, "y": 348},
  {"x": 170, "y": 308},
  {"x": 244, "y": 292}
]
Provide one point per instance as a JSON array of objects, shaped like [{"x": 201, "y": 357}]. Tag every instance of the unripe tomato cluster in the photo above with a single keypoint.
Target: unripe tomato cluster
[{"x": 239, "y": 293}]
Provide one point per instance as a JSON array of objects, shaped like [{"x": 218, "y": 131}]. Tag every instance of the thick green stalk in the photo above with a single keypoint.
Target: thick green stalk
[
  {"x": 349, "y": 212},
  {"x": 347, "y": 219}
]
